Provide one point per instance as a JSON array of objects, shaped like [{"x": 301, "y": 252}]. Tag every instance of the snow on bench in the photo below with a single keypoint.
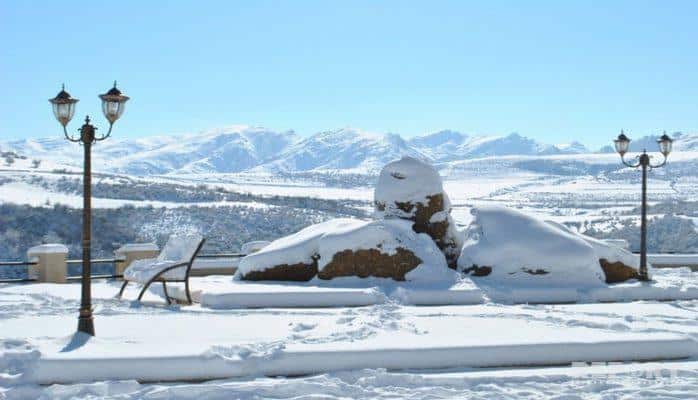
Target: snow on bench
[{"x": 173, "y": 264}]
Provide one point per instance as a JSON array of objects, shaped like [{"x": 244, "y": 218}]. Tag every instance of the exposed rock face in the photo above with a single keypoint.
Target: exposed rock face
[
  {"x": 371, "y": 262},
  {"x": 617, "y": 271},
  {"x": 477, "y": 270},
  {"x": 296, "y": 272},
  {"x": 411, "y": 189}
]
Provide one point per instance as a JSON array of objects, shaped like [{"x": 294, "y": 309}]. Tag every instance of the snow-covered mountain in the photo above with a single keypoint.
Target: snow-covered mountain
[
  {"x": 342, "y": 149},
  {"x": 230, "y": 149},
  {"x": 682, "y": 142},
  {"x": 449, "y": 145},
  {"x": 244, "y": 148}
]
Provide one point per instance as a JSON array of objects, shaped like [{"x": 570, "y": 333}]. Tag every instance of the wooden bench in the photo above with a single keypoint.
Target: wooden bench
[{"x": 173, "y": 264}]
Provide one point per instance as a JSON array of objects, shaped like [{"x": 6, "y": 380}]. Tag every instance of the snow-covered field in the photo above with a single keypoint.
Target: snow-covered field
[
  {"x": 571, "y": 351},
  {"x": 375, "y": 342}
]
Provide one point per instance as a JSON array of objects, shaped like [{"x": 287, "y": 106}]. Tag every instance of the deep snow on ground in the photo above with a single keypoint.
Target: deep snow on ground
[
  {"x": 41, "y": 315},
  {"x": 676, "y": 380}
]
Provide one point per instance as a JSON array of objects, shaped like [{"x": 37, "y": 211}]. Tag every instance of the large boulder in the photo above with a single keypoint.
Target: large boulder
[
  {"x": 290, "y": 258},
  {"x": 349, "y": 248},
  {"x": 381, "y": 249},
  {"x": 412, "y": 190},
  {"x": 509, "y": 248}
]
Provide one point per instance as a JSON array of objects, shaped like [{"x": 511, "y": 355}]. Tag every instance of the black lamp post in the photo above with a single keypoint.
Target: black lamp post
[
  {"x": 113, "y": 103},
  {"x": 643, "y": 160}
]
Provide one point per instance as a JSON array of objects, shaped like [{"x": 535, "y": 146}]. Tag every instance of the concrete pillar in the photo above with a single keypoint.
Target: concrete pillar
[
  {"x": 51, "y": 262},
  {"x": 130, "y": 252}
]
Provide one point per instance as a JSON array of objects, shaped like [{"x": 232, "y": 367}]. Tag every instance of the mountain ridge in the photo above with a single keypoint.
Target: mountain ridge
[{"x": 242, "y": 148}]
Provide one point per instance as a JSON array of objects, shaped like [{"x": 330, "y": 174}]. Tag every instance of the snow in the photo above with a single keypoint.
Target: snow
[
  {"x": 47, "y": 249},
  {"x": 129, "y": 247},
  {"x": 605, "y": 249},
  {"x": 178, "y": 249},
  {"x": 333, "y": 236},
  {"x": 144, "y": 270},
  {"x": 218, "y": 292},
  {"x": 250, "y": 343},
  {"x": 387, "y": 236},
  {"x": 525, "y": 251},
  {"x": 293, "y": 249},
  {"x": 673, "y": 259},
  {"x": 407, "y": 180},
  {"x": 622, "y": 243},
  {"x": 154, "y": 342},
  {"x": 254, "y": 246}
]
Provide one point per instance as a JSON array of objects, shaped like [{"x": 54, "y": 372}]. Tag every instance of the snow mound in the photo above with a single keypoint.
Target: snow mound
[
  {"x": 514, "y": 249},
  {"x": 605, "y": 249}
]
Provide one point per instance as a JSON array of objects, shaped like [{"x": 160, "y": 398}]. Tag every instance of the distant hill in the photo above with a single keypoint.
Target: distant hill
[{"x": 255, "y": 149}]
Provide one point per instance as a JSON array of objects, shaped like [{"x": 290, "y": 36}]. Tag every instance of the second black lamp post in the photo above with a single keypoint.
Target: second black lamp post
[{"x": 622, "y": 144}]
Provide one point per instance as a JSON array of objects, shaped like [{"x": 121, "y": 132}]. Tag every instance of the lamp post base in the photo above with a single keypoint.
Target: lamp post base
[{"x": 86, "y": 324}]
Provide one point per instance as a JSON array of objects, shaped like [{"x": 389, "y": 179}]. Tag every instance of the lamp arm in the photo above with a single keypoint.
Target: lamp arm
[
  {"x": 70, "y": 138},
  {"x": 663, "y": 163},
  {"x": 111, "y": 124},
  {"x": 622, "y": 158}
]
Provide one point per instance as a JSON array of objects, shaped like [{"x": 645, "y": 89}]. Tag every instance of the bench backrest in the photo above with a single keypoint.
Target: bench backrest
[{"x": 181, "y": 248}]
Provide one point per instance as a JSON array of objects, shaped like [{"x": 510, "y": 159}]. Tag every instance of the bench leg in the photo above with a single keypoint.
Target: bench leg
[
  {"x": 186, "y": 289},
  {"x": 145, "y": 287},
  {"x": 167, "y": 296},
  {"x": 121, "y": 292}
]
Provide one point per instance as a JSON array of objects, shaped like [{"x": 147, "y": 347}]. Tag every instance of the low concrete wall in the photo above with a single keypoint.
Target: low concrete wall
[{"x": 51, "y": 262}]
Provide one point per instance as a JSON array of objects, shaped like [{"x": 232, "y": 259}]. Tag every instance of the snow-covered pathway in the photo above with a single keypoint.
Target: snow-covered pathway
[{"x": 42, "y": 317}]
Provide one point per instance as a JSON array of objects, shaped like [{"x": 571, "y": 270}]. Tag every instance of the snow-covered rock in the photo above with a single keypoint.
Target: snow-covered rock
[
  {"x": 617, "y": 263},
  {"x": 347, "y": 247},
  {"x": 513, "y": 249},
  {"x": 411, "y": 189},
  {"x": 290, "y": 258},
  {"x": 382, "y": 249}
]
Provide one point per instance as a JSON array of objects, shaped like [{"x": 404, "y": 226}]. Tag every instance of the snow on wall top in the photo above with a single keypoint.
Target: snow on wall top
[
  {"x": 407, "y": 180},
  {"x": 54, "y": 248},
  {"x": 525, "y": 251},
  {"x": 136, "y": 247}
]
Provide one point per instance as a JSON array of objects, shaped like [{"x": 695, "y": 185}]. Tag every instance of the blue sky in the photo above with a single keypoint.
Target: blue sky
[{"x": 555, "y": 71}]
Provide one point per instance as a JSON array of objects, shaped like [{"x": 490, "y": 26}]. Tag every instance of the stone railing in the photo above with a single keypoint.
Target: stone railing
[{"x": 49, "y": 262}]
